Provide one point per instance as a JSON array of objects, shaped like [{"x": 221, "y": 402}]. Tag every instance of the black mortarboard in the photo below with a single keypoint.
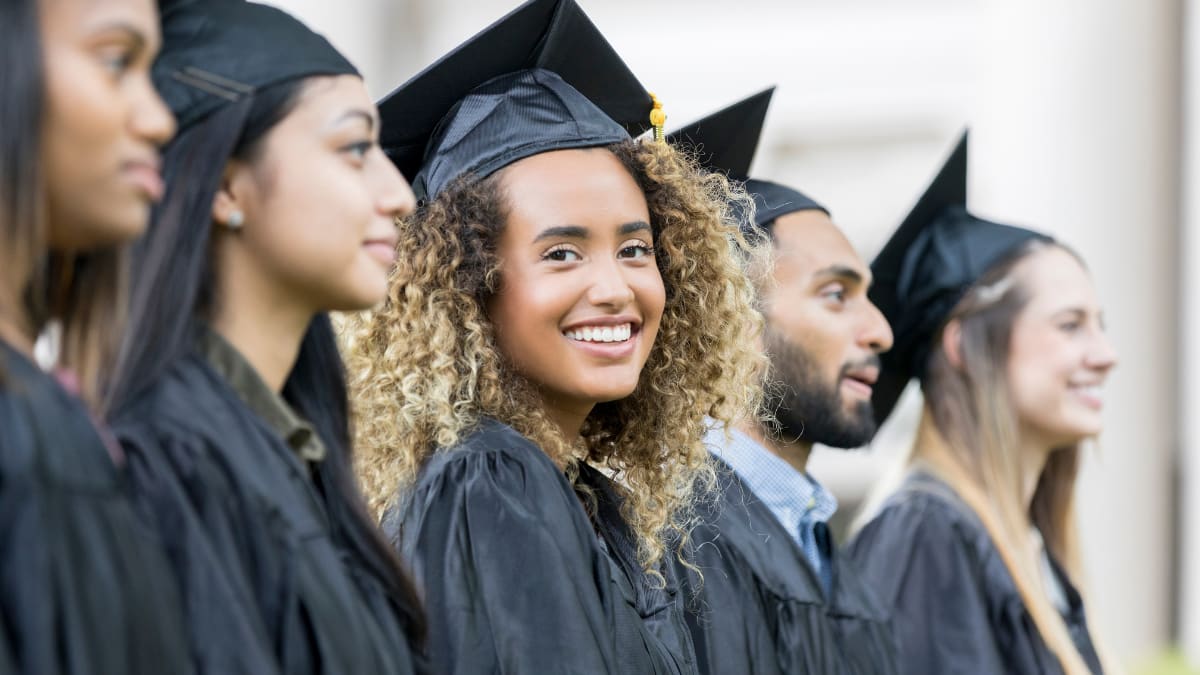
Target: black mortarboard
[
  {"x": 933, "y": 258},
  {"x": 541, "y": 78},
  {"x": 217, "y": 51},
  {"x": 726, "y": 141}
]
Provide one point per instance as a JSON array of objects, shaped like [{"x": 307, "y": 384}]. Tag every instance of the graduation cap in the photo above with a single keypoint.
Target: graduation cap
[
  {"x": 541, "y": 78},
  {"x": 726, "y": 141},
  {"x": 925, "y": 269},
  {"x": 215, "y": 52}
]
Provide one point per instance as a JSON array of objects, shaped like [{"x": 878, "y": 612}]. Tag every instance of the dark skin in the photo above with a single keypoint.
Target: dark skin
[
  {"x": 103, "y": 124},
  {"x": 819, "y": 304}
]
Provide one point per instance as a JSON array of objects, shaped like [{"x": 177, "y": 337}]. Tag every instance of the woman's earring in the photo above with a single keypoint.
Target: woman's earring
[{"x": 235, "y": 220}]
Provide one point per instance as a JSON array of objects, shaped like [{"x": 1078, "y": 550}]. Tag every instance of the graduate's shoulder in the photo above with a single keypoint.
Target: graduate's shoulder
[
  {"x": 493, "y": 465},
  {"x": 731, "y": 517},
  {"x": 191, "y": 424},
  {"x": 924, "y": 511},
  {"x": 493, "y": 488},
  {"x": 188, "y": 398},
  {"x": 27, "y": 394},
  {"x": 493, "y": 451},
  {"x": 741, "y": 548},
  {"x": 22, "y": 402},
  {"x": 925, "y": 534},
  {"x": 45, "y": 429}
]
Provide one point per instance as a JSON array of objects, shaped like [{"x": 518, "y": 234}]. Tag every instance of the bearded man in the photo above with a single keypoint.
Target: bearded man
[{"x": 768, "y": 593}]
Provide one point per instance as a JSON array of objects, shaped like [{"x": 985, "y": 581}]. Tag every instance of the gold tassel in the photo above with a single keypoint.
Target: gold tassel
[{"x": 658, "y": 119}]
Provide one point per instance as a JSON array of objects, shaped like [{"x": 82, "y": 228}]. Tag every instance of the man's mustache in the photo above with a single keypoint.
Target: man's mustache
[{"x": 872, "y": 361}]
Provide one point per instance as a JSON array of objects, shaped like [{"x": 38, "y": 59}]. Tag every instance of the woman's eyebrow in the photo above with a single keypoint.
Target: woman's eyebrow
[
  {"x": 357, "y": 113},
  {"x": 635, "y": 226},
  {"x": 569, "y": 231},
  {"x": 135, "y": 34}
]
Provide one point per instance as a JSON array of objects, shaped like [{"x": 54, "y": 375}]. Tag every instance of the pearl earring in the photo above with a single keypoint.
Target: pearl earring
[{"x": 235, "y": 220}]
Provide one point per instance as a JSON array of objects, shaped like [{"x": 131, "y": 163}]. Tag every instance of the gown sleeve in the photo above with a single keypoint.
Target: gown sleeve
[{"x": 510, "y": 585}]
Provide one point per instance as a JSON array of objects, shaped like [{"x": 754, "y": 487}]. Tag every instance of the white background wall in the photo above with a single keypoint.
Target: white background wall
[
  {"x": 1076, "y": 110},
  {"x": 1078, "y": 132}
]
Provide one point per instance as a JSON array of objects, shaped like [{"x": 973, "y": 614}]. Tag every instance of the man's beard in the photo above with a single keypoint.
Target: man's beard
[{"x": 807, "y": 408}]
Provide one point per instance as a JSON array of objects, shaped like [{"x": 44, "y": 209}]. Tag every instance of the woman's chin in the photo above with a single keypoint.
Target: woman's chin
[
  {"x": 1077, "y": 432},
  {"x": 357, "y": 298},
  {"x": 611, "y": 393}
]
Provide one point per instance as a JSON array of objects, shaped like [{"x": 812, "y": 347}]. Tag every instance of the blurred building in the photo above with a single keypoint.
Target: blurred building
[{"x": 1086, "y": 124}]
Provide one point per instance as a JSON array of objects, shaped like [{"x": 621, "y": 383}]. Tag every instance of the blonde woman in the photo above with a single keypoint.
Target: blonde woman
[
  {"x": 976, "y": 553},
  {"x": 567, "y": 309}
]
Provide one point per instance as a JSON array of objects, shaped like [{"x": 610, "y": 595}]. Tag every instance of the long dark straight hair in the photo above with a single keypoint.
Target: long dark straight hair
[
  {"x": 174, "y": 295},
  {"x": 85, "y": 291},
  {"x": 22, "y": 230}
]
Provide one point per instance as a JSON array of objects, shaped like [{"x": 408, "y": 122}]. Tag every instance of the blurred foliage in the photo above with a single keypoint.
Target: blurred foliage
[{"x": 1171, "y": 663}]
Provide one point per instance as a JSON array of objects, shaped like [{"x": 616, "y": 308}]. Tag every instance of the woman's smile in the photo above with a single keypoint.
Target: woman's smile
[{"x": 612, "y": 339}]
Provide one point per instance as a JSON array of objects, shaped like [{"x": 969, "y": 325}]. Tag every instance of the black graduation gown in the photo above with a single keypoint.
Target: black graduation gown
[
  {"x": 955, "y": 607},
  {"x": 84, "y": 585},
  {"x": 761, "y": 608},
  {"x": 266, "y": 587},
  {"x": 517, "y": 579}
]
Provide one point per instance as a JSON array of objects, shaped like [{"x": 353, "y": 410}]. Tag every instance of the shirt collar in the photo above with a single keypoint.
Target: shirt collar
[
  {"x": 259, "y": 398},
  {"x": 792, "y": 496}
]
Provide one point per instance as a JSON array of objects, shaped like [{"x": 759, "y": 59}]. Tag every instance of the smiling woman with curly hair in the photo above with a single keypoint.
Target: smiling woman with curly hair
[
  {"x": 569, "y": 307},
  {"x": 428, "y": 366}
]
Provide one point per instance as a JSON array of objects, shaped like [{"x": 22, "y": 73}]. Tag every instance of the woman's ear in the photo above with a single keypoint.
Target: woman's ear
[
  {"x": 952, "y": 343},
  {"x": 227, "y": 208}
]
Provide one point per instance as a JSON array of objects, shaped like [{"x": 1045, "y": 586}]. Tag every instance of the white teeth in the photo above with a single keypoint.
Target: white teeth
[{"x": 602, "y": 333}]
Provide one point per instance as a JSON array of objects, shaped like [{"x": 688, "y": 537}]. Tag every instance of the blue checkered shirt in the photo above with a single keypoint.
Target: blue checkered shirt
[{"x": 797, "y": 501}]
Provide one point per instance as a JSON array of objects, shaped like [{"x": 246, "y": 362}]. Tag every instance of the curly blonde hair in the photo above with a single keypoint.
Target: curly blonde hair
[{"x": 425, "y": 366}]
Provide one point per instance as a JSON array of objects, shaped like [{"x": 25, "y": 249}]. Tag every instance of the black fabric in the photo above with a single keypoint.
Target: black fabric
[
  {"x": 659, "y": 606},
  {"x": 267, "y": 586},
  {"x": 923, "y": 271},
  {"x": 517, "y": 579},
  {"x": 955, "y": 607},
  {"x": 726, "y": 142},
  {"x": 727, "y": 139},
  {"x": 84, "y": 585},
  {"x": 761, "y": 608},
  {"x": 509, "y": 118},
  {"x": 216, "y": 51},
  {"x": 458, "y": 117},
  {"x": 772, "y": 200}
]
